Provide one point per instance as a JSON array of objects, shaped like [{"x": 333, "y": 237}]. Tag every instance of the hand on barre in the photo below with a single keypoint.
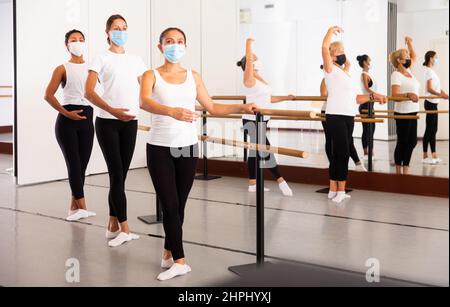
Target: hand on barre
[
  {"x": 250, "y": 108},
  {"x": 183, "y": 115},
  {"x": 382, "y": 99}
]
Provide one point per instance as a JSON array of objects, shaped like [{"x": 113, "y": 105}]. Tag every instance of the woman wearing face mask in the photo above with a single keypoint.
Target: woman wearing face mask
[
  {"x": 340, "y": 111},
  {"x": 116, "y": 126},
  {"x": 404, "y": 84},
  {"x": 74, "y": 126},
  {"x": 257, "y": 90},
  {"x": 359, "y": 166},
  {"x": 170, "y": 93},
  {"x": 433, "y": 88},
  {"x": 368, "y": 87}
]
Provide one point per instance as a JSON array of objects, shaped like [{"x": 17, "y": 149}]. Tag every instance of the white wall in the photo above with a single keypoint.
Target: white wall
[
  {"x": 204, "y": 22},
  {"x": 6, "y": 62},
  {"x": 427, "y": 23}
]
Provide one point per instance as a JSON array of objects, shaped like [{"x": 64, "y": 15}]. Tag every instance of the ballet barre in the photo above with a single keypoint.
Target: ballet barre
[
  {"x": 6, "y": 96},
  {"x": 6, "y": 86},
  {"x": 250, "y": 146},
  {"x": 420, "y": 112},
  {"x": 271, "y": 112},
  {"x": 293, "y": 118},
  {"x": 317, "y": 98}
]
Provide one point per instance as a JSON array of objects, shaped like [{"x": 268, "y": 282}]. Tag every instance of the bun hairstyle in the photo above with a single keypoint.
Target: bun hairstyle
[
  {"x": 69, "y": 34},
  {"x": 428, "y": 56},
  {"x": 242, "y": 63},
  {"x": 361, "y": 59},
  {"x": 321, "y": 67}
]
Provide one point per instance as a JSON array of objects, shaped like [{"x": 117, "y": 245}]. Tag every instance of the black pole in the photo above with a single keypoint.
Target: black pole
[
  {"x": 371, "y": 116},
  {"x": 205, "y": 176},
  {"x": 261, "y": 137},
  {"x": 245, "y": 139},
  {"x": 153, "y": 219}
]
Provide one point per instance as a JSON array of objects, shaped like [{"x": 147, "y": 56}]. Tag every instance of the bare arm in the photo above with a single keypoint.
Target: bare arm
[
  {"x": 217, "y": 109},
  {"x": 412, "y": 51},
  {"x": 249, "y": 72},
  {"x": 366, "y": 81},
  {"x": 52, "y": 88},
  {"x": 396, "y": 92},
  {"x": 98, "y": 101},
  {"x": 327, "y": 59},
  {"x": 323, "y": 89},
  {"x": 278, "y": 99}
]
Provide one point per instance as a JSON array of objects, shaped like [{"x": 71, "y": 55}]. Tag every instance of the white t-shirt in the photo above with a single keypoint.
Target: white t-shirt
[
  {"x": 118, "y": 75},
  {"x": 342, "y": 93},
  {"x": 430, "y": 74},
  {"x": 407, "y": 85},
  {"x": 73, "y": 91},
  {"x": 261, "y": 94},
  {"x": 167, "y": 131}
]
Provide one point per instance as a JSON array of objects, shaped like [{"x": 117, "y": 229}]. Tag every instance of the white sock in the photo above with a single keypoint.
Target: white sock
[
  {"x": 112, "y": 235},
  {"x": 285, "y": 189},
  {"x": 122, "y": 238},
  {"x": 361, "y": 168},
  {"x": 174, "y": 271},
  {"x": 332, "y": 195},
  {"x": 90, "y": 213},
  {"x": 340, "y": 197},
  {"x": 77, "y": 215},
  {"x": 167, "y": 264},
  {"x": 252, "y": 189}
]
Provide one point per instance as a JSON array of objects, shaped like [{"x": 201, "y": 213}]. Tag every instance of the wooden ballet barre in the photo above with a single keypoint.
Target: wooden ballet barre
[
  {"x": 270, "y": 112},
  {"x": 420, "y": 112},
  {"x": 250, "y": 146},
  {"x": 6, "y": 96},
  {"x": 390, "y": 116},
  {"x": 269, "y": 149},
  {"x": 229, "y": 98},
  {"x": 291, "y": 118},
  {"x": 6, "y": 86}
]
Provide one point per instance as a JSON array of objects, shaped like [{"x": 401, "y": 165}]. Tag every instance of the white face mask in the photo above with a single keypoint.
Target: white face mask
[
  {"x": 77, "y": 48},
  {"x": 257, "y": 65}
]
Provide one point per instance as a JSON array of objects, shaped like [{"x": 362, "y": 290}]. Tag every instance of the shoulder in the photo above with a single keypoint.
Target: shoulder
[
  {"x": 149, "y": 74},
  {"x": 196, "y": 75}
]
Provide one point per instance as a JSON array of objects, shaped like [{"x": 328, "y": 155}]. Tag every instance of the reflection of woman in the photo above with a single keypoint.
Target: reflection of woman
[
  {"x": 340, "y": 111},
  {"x": 169, "y": 93},
  {"x": 258, "y": 91},
  {"x": 433, "y": 88},
  {"x": 116, "y": 126},
  {"x": 359, "y": 166},
  {"x": 368, "y": 87},
  {"x": 404, "y": 84},
  {"x": 74, "y": 126}
]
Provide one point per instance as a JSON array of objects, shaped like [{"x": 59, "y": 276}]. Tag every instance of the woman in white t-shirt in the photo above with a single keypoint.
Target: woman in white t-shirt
[
  {"x": 116, "y": 125},
  {"x": 340, "y": 112},
  {"x": 433, "y": 88},
  {"x": 404, "y": 84},
  {"x": 170, "y": 93},
  {"x": 257, "y": 90},
  {"x": 74, "y": 126}
]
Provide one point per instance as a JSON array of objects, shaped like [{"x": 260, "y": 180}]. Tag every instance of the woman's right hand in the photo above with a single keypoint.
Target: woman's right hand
[
  {"x": 413, "y": 97},
  {"x": 75, "y": 115},
  {"x": 335, "y": 30},
  {"x": 444, "y": 95},
  {"x": 122, "y": 115},
  {"x": 183, "y": 115}
]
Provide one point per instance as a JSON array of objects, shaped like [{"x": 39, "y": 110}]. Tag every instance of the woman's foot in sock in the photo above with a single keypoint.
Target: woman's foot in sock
[
  {"x": 340, "y": 197},
  {"x": 122, "y": 238},
  {"x": 167, "y": 263},
  {"x": 176, "y": 270},
  {"x": 332, "y": 195},
  {"x": 285, "y": 189}
]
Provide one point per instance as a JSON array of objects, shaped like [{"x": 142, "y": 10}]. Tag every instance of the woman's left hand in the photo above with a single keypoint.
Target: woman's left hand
[
  {"x": 250, "y": 108},
  {"x": 290, "y": 98},
  {"x": 382, "y": 99}
]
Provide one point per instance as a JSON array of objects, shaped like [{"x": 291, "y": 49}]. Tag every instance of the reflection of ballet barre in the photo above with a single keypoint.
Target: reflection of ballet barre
[
  {"x": 294, "y": 118},
  {"x": 314, "y": 98},
  {"x": 268, "y": 149},
  {"x": 6, "y": 86},
  {"x": 6, "y": 96},
  {"x": 420, "y": 112}
]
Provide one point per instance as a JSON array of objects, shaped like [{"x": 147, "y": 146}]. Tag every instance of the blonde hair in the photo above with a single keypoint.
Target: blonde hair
[
  {"x": 335, "y": 46},
  {"x": 397, "y": 55}
]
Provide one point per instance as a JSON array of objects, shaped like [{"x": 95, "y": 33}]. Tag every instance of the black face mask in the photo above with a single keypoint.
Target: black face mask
[
  {"x": 407, "y": 64},
  {"x": 341, "y": 59}
]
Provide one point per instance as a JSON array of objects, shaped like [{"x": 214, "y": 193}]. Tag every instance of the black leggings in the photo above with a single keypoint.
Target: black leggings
[
  {"x": 406, "y": 140},
  {"x": 117, "y": 140},
  {"x": 432, "y": 127},
  {"x": 366, "y": 137},
  {"x": 250, "y": 127},
  {"x": 353, "y": 152},
  {"x": 76, "y": 139},
  {"x": 340, "y": 130},
  {"x": 172, "y": 171}
]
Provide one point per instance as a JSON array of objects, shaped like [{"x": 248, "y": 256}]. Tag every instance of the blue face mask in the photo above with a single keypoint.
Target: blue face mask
[
  {"x": 437, "y": 61},
  {"x": 174, "y": 53},
  {"x": 119, "y": 38}
]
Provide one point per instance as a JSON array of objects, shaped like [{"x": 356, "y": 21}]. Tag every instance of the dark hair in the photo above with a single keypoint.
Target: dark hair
[
  {"x": 164, "y": 33},
  {"x": 242, "y": 63},
  {"x": 361, "y": 59},
  {"x": 110, "y": 21},
  {"x": 428, "y": 56},
  {"x": 69, "y": 34},
  {"x": 321, "y": 67}
]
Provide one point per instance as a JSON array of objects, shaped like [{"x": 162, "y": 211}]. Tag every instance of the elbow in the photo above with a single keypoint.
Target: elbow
[{"x": 88, "y": 95}]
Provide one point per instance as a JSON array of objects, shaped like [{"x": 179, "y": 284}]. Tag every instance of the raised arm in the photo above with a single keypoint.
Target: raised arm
[
  {"x": 56, "y": 80},
  {"x": 217, "y": 109},
  {"x": 327, "y": 59},
  {"x": 412, "y": 51},
  {"x": 249, "y": 72}
]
